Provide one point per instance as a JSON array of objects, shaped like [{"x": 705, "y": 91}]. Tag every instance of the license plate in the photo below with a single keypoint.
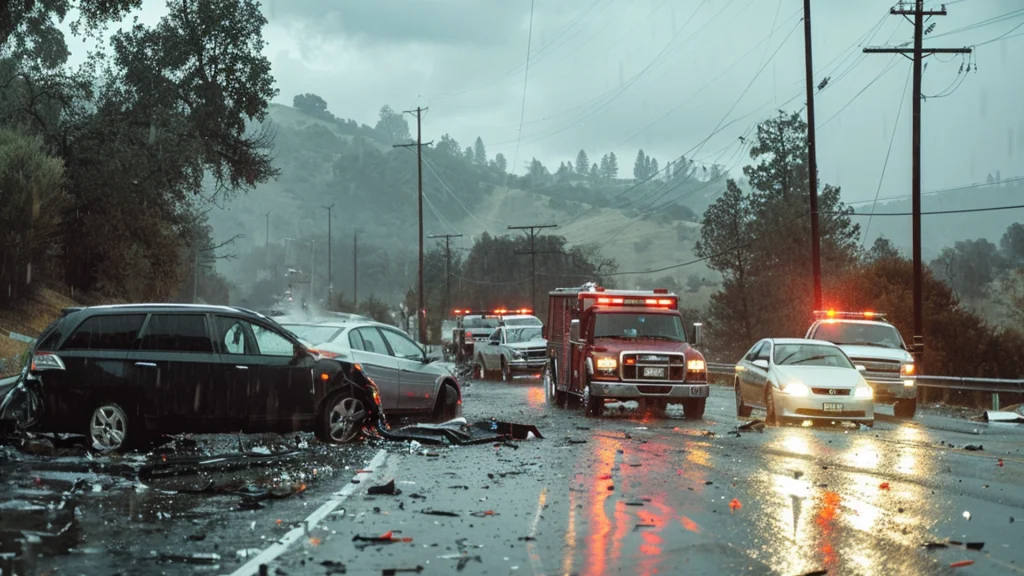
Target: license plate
[
  {"x": 654, "y": 372},
  {"x": 832, "y": 407}
]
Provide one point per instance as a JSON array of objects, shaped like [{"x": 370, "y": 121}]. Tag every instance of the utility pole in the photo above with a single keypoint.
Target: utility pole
[
  {"x": 330, "y": 277},
  {"x": 447, "y": 273},
  {"x": 918, "y": 53},
  {"x": 355, "y": 267},
  {"x": 812, "y": 160},
  {"x": 266, "y": 243},
  {"x": 421, "y": 314},
  {"x": 533, "y": 257}
]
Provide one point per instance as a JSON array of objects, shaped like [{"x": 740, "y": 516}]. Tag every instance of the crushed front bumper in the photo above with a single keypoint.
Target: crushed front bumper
[
  {"x": 636, "y": 390},
  {"x": 813, "y": 408},
  {"x": 891, "y": 390}
]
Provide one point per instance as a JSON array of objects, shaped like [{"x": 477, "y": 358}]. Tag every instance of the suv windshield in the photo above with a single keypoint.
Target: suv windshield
[
  {"x": 523, "y": 321},
  {"x": 629, "y": 325},
  {"x": 810, "y": 355},
  {"x": 884, "y": 335},
  {"x": 522, "y": 334}
]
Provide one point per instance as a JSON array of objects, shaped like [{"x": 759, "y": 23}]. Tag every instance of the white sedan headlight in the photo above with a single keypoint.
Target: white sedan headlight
[
  {"x": 796, "y": 389},
  {"x": 863, "y": 391}
]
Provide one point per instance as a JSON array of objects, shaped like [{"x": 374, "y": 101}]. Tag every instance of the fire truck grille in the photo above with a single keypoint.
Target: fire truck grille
[{"x": 653, "y": 367}]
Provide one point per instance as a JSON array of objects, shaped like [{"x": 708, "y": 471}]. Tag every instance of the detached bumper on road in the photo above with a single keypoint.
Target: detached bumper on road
[
  {"x": 627, "y": 390},
  {"x": 892, "y": 389},
  {"x": 813, "y": 408}
]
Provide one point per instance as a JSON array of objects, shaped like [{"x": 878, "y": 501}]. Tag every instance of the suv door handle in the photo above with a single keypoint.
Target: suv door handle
[
  {"x": 241, "y": 367},
  {"x": 146, "y": 364}
]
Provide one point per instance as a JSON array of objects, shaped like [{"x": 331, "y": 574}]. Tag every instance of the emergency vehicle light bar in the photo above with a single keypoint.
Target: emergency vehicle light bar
[
  {"x": 627, "y": 301},
  {"x": 866, "y": 315},
  {"x": 495, "y": 312}
]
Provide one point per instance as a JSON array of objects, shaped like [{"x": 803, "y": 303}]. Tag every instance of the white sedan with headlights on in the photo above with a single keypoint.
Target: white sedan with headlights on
[{"x": 795, "y": 379}]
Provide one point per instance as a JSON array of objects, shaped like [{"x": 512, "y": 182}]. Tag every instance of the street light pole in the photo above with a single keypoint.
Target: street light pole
[{"x": 330, "y": 277}]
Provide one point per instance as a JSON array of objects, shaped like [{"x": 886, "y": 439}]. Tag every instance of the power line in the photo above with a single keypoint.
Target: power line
[
  {"x": 526, "y": 79},
  {"x": 881, "y": 177},
  {"x": 937, "y": 212},
  {"x": 1001, "y": 36},
  {"x": 942, "y": 190}
]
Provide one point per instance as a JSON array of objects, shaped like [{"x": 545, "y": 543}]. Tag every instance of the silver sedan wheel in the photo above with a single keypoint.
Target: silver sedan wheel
[
  {"x": 108, "y": 428},
  {"x": 346, "y": 419}
]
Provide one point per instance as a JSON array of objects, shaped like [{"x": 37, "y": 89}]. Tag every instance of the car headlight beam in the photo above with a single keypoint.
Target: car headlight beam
[
  {"x": 795, "y": 389},
  {"x": 863, "y": 391}
]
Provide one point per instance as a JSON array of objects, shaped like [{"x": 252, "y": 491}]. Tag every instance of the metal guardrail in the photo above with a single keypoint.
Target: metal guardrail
[{"x": 962, "y": 383}]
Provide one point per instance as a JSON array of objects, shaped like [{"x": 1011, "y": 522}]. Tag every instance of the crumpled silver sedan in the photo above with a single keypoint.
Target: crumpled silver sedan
[{"x": 795, "y": 379}]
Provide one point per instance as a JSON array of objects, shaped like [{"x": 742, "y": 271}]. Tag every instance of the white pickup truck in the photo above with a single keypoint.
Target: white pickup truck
[
  {"x": 512, "y": 349},
  {"x": 876, "y": 345}
]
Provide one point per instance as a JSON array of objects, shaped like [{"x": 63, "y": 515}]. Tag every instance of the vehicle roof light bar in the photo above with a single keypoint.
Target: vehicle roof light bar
[{"x": 833, "y": 314}]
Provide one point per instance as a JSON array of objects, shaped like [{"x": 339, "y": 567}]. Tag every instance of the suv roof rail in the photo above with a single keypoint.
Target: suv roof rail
[{"x": 70, "y": 309}]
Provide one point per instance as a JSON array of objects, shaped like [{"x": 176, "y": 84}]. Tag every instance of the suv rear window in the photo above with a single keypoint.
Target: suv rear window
[
  {"x": 177, "y": 333},
  {"x": 113, "y": 332}
]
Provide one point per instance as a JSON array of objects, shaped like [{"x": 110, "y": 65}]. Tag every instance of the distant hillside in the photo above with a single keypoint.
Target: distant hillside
[
  {"x": 941, "y": 230},
  {"x": 372, "y": 187}
]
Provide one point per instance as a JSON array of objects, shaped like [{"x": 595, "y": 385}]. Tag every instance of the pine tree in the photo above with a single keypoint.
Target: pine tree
[
  {"x": 582, "y": 163},
  {"x": 479, "y": 152},
  {"x": 613, "y": 166},
  {"x": 640, "y": 166}
]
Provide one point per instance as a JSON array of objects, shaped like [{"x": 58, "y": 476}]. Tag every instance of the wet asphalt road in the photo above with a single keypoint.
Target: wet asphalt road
[{"x": 630, "y": 493}]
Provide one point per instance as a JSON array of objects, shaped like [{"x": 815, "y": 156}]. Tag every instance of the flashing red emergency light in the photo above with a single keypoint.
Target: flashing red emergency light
[
  {"x": 832, "y": 315},
  {"x": 630, "y": 301}
]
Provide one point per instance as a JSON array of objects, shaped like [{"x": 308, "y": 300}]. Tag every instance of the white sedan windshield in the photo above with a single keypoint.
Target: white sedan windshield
[{"x": 810, "y": 355}]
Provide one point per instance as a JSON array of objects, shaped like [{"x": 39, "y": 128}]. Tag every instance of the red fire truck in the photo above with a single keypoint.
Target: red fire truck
[{"x": 608, "y": 345}]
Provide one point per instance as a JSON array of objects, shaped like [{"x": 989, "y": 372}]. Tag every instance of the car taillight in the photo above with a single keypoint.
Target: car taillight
[
  {"x": 42, "y": 361},
  {"x": 324, "y": 353}
]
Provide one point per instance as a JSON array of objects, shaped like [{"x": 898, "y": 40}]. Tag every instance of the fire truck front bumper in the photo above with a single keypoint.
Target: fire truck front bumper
[{"x": 637, "y": 390}]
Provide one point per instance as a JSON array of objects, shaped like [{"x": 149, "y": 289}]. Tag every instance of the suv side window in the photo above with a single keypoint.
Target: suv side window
[
  {"x": 271, "y": 343},
  {"x": 177, "y": 333},
  {"x": 114, "y": 332},
  {"x": 495, "y": 336},
  {"x": 372, "y": 340},
  {"x": 233, "y": 335}
]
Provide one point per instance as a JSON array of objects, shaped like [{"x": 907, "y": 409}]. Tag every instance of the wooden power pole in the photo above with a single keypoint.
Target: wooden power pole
[
  {"x": 533, "y": 257},
  {"x": 421, "y": 314},
  {"x": 917, "y": 54},
  {"x": 330, "y": 263},
  {"x": 812, "y": 160},
  {"x": 447, "y": 273}
]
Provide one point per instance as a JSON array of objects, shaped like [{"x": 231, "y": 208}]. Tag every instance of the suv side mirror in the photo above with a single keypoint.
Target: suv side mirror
[{"x": 698, "y": 333}]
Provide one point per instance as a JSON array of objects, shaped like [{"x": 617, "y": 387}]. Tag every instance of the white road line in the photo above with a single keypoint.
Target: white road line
[
  {"x": 531, "y": 548},
  {"x": 295, "y": 534}
]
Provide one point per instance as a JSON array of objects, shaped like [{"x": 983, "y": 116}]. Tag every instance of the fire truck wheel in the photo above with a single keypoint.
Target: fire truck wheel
[
  {"x": 742, "y": 409},
  {"x": 551, "y": 392},
  {"x": 905, "y": 408},
  {"x": 693, "y": 408},
  {"x": 593, "y": 406}
]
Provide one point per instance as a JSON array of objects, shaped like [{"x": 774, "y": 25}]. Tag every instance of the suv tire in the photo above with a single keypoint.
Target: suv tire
[
  {"x": 905, "y": 408},
  {"x": 506, "y": 372},
  {"x": 109, "y": 428}
]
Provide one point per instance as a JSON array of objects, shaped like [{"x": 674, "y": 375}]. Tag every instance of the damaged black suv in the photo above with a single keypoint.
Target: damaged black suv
[{"x": 121, "y": 374}]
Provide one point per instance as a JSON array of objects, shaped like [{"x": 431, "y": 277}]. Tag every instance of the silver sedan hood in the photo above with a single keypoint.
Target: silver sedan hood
[{"x": 819, "y": 376}]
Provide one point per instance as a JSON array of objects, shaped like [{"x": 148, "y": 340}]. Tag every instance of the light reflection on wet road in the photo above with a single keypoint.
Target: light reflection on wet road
[{"x": 658, "y": 495}]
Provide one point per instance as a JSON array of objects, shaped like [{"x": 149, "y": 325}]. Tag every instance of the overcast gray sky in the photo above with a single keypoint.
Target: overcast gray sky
[{"x": 616, "y": 75}]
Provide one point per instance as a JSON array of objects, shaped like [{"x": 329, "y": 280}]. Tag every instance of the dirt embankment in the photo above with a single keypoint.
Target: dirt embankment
[{"x": 27, "y": 318}]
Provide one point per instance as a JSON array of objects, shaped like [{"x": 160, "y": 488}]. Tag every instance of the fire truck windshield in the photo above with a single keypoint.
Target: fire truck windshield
[
  {"x": 857, "y": 333},
  {"x": 633, "y": 325}
]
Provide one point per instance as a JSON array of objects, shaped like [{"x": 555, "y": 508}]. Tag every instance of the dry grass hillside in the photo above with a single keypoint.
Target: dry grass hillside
[{"x": 28, "y": 318}]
